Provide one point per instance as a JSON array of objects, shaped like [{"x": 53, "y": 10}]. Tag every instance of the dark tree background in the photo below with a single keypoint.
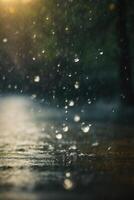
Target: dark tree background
[{"x": 125, "y": 57}]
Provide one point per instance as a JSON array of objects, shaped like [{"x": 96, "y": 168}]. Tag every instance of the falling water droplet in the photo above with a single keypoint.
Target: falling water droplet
[
  {"x": 59, "y": 136},
  {"x": 65, "y": 129},
  {"x": 85, "y": 128},
  {"x": 76, "y": 118},
  {"x": 68, "y": 184},
  {"x": 71, "y": 103},
  {"x": 36, "y": 79}
]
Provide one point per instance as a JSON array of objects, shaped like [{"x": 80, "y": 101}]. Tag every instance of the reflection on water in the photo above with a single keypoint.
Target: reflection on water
[
  {"x": 34, "y": 161},
  {"x": 27, "y": 149},
  {"x": 16, "y": 122},
  {"x": 19, "y": 137}
]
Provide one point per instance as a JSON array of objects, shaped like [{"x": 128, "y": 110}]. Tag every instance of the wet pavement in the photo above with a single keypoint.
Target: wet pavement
[{"x": 45, "y": 156}]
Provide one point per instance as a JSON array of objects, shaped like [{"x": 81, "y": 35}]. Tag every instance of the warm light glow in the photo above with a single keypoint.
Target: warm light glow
[
  {"x": 8, "y": 1},
  {"x": 11, "y": 6},
  {"x": 16, "y": 1}
]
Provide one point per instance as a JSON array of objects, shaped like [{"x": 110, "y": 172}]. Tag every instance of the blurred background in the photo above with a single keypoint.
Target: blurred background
[
  {"x": 61, "y": 50},
  {"x": 66, "y": 99}
]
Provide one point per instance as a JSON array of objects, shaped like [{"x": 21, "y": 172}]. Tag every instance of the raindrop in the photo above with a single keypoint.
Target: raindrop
[
  {"x": 68, "y": 174},
  {"x": 33, "y": 96},
  {"x": 76, "y": 85},
  {"x": 76, "y": 118},
  {"x": 76, "y": 60},
  {"x": 71, "y": 103},
  {"x": 65, "y": 129},
  {"x": 66, "y": 29},
  {"x": 109, "y": 148},
  {"x": 68, "y": 184},
  {"x": 5, "y": 40},
  {"x": 73, "y": 147},
  {"x": 66, "y": 107},
  {"x": 85, "y": 128},
  {"x": 69, "y": 75},
  {"x": 89, "y": 101},
  {"x": 36, "y": 79},
  {"x": 95, "y": 144},
  {"x": 59, "y": 136},
  {"x": 101, "y": 53},
  {"x": 43, "y": 51}
]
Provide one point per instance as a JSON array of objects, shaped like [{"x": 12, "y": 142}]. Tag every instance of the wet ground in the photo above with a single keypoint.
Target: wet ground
[{"x": 48, "y": 154}]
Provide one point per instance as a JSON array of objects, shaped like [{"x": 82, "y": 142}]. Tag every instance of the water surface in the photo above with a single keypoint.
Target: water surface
[{"x": 45, "y": 156}]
